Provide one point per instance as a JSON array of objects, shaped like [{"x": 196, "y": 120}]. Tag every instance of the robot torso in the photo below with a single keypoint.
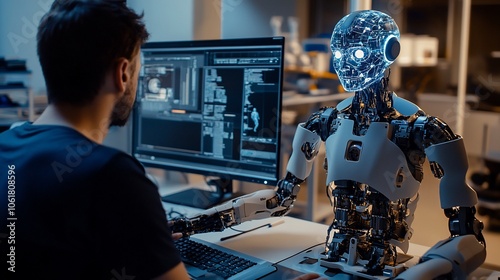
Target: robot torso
[{"x": 375, "y": 159}]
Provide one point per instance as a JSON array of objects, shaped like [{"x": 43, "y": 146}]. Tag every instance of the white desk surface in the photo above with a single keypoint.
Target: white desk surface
[{"x": 290, "y": 236}]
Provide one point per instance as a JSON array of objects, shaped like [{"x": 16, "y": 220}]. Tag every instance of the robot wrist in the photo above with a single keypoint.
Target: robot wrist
[{"x": 462, "y": 221}]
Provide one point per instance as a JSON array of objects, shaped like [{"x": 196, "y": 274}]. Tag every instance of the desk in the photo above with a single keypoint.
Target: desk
[
  {"x": 272, "y": 244},
  {"x": 285, "y": 243}
]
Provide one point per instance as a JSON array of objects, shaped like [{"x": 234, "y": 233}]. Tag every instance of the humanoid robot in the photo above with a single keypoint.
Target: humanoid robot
[
  {"x": 376, "y": 144},
  {"x": 255, "y": 118}
]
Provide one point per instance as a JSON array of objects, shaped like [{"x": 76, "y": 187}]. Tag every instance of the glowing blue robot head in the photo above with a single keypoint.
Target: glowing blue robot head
[{"x": 364, "y": 44}]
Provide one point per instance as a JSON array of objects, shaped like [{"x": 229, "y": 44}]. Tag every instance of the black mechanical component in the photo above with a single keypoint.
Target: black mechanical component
[
  {"x": 462, "y": 221},
  {"x": 436, "y": 131},
  {"x": 201, "y": 224},
  {"x": 322, "y": 122},
  {"x": 354, "y": 150},
  {"x": 309, "y": 151},
  {"x": 326, "y": 119},
  {"x": 288, "y": 188}
]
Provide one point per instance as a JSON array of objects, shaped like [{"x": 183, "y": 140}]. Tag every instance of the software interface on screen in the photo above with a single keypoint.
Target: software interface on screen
[{"x": 211, "y": 107}]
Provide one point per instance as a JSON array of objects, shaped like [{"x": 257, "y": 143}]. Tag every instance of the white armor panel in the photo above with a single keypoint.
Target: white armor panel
[
  {"x": 381, "y": 164},
  {"x": 298, "y": 164}
]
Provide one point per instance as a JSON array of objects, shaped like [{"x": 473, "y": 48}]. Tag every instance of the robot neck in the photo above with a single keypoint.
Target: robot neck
[{"x": 374, "y": 102}]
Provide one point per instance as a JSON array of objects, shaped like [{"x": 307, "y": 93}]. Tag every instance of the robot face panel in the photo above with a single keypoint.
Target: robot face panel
[{"x": 364, "y": 44}]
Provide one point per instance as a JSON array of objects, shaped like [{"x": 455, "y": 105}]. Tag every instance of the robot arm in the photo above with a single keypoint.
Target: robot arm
[
  {"x": 457, "y": 198},
  {"x": 260, "y": 204},
  {"x": 465, "y": 249},
  {"x": 448, "y": 161},
  {"x": 452, "y": 258},
  {"x": 257, "y": 205}
]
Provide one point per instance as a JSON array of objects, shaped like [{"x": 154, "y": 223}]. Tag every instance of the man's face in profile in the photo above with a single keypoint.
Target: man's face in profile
[{"x": 123, "y": 107}]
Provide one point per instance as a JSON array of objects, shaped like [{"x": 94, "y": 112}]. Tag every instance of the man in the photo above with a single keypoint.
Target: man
[
  {"x": 83, "y": 210},
  {"x": 77, "y": 209}
]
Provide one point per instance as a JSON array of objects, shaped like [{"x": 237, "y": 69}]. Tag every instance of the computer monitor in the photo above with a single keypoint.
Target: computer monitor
[{"x": 211, "y": 107}]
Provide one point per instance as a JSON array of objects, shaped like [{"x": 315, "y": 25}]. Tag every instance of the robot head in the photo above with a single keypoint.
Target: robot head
[{"x": 364, "y": 44}]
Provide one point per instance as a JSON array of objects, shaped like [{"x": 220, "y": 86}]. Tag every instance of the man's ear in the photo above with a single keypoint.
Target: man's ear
[{"x": 122, "y": 74}]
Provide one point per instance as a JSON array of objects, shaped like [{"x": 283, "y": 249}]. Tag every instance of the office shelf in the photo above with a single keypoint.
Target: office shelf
[{"x": 16, "y": 85}]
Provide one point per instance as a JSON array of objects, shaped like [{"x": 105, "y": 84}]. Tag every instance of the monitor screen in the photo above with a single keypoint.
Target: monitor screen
[{"x": 211, "y": 107}]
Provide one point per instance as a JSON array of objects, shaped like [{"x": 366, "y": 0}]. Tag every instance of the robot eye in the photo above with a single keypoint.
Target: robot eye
[
  {"x": 337, "y": 54},
  {"x": 359, "y": 54}
]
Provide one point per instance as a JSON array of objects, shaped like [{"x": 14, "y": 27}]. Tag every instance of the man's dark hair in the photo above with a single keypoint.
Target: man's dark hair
[{"x": 80, "y": 40}]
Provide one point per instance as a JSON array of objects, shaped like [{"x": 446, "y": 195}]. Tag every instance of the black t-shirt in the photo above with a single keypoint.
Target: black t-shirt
[{"x": 78, "y": 210}]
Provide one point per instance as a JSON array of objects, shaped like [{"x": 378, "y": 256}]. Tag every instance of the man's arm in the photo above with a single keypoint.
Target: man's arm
[{"x": 133, "y": 223}]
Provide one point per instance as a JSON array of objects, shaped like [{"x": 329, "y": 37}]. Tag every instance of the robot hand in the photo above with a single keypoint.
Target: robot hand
[
  {"x": 258, "y": 205},
  {"x": 452, "y": 258}
]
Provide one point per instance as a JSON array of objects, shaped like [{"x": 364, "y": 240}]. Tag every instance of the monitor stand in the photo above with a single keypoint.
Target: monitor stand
[{"x": 204, "y": 199}]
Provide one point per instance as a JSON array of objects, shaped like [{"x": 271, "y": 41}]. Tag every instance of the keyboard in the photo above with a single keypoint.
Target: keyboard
[{"x": 205, "y": 260}]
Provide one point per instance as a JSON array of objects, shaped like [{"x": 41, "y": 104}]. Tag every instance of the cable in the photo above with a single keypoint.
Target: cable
[
  {"x": 322, "y": 243},
  {"x": 172, "y": 212},
  {"x": 279, "y": 222},
  {"x": 243, "y": 232}
]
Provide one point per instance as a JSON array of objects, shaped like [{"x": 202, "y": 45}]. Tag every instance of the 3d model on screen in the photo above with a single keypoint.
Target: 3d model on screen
[
  {"x": 376, "y": 145},
  {"x": 255, "y": 118}
]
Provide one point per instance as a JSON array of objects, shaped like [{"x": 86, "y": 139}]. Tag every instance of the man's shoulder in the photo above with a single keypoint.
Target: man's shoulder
[
  {"x": 119, "y": 159},
  {"x": 65, "y": 151}
]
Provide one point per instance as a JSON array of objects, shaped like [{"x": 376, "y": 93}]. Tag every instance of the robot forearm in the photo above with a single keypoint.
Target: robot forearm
[
  {"x": 258, "y": 205},
  {"x": 452, "y": 258}
]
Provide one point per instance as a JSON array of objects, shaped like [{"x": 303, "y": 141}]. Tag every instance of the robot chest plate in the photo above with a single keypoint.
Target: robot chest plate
[{"x": 371, "y": 159}]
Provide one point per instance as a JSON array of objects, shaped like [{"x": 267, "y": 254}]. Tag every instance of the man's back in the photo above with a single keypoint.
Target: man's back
[{"x": 82, "y": 210}]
